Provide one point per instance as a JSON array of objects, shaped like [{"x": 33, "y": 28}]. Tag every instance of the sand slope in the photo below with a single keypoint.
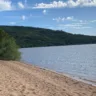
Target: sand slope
[{"x": 18, "y": 79}]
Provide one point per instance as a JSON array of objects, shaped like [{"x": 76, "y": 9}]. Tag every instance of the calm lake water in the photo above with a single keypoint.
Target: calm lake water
[{"x": 77, "y": 60}]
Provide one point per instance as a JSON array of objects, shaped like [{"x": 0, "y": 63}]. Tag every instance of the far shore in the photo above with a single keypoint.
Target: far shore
[{"x": 60, "y": 45}]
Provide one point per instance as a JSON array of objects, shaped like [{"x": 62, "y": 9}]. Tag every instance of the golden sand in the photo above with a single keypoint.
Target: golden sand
[{"x": 19, "y": 79}]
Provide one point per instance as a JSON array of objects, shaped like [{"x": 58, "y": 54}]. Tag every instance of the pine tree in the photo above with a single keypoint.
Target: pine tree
[{"x": 8, "y": 47}]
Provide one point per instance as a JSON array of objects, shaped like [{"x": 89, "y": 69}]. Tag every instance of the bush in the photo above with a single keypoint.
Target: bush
[{"x": 8, "y": 47}]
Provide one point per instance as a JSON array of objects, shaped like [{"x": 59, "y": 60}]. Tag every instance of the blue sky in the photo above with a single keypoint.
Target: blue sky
[{"x": 74, "y": 16}]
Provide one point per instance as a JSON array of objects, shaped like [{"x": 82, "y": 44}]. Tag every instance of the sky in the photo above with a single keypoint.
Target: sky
[{"x": 73, "y": 16}]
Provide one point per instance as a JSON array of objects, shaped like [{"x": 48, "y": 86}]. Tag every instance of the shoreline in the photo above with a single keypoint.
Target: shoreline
[
  {"x": 23, "y": 79},
  {"x": 78, "y": 78},
  {"x": 59, "y": 46}
]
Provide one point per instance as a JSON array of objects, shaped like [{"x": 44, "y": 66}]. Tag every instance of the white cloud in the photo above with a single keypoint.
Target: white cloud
[
  {"x": 70, "y": 18},
  {"x": 12, "y": 23},
  {"x": 93, "y": 21},
  {"x": 59, "y": 19},
  {"x": 68, "y": 3},
  {"x": 23, "y": 17},
  {"x": 80, "y": 21},
  {"x": 53, "y": 4},
  {"x": 44, "y": 11},
  {"x": 5, "y": 5},
  {"x": 70, "y": 25},
  {"x": 21, "y": 5},
  {"x": 74, "y": 26}
]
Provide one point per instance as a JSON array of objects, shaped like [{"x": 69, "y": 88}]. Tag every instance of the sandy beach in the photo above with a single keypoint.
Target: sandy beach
[{"x": 19, "y": 79}]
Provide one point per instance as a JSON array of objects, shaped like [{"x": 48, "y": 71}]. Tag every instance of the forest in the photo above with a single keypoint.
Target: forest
[{"x": 37, "y": 37}]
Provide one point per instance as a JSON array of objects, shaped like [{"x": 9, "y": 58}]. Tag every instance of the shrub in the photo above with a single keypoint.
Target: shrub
[{"x": 8, "y": 47}]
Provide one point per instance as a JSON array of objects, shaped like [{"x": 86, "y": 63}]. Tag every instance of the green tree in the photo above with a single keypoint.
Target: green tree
[{"x": 8, "y": 47}]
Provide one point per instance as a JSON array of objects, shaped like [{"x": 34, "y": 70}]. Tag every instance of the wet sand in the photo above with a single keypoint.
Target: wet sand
[{"x": 19, "y": 79}]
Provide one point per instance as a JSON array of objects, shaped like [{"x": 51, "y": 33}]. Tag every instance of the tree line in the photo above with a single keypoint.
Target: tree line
[{"x": 37, "y": 37}]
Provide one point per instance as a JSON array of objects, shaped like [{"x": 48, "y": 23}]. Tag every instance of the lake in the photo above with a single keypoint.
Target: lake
[{"x": 76, "y": 60}]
